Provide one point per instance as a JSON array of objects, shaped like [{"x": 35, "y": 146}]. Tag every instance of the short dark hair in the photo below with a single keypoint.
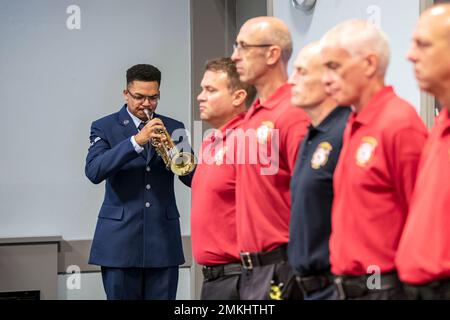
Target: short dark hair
[
  {"x": 143, "y": 72},
  {"x": 228, "y": 66}
]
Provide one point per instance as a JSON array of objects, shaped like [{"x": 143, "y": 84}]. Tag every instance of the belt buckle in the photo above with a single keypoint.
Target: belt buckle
[
  {"x": 338, "y": 281},
  {"x": 246, "y": 260}
]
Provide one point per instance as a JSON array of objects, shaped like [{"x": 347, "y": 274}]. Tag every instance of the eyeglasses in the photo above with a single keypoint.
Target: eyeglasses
[
  {"x": 140, "y": 98},
  {"x": 244, "y": 46}
]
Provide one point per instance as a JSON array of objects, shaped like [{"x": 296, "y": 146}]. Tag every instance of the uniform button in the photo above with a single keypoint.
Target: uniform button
[
  {"x": 147, "y": 204},
  {"x": 147, "y": 169},
  {"x": 309, "y": 142},
  {"x": 147, "y": 187}
]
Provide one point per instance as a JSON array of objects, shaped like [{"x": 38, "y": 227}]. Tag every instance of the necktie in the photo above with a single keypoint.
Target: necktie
[{"x": 141, "y": 125}]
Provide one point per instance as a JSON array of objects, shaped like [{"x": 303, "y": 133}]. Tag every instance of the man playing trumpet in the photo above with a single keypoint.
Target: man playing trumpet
[{"x": 137, "y": 240}]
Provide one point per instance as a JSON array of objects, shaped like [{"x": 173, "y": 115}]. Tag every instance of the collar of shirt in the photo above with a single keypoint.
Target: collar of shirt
[
  {"x": 372, "y": 108},
  {"x": 135, "y": 119},
  {"x": 327, "y": 123},
  {"x": 232, "y": 124},
  {"x": 275, "y": 99},
  {"x": 443, "y": 119}
]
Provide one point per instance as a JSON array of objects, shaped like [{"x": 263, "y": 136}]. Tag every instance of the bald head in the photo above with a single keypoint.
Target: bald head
[
  {"x": 438, "y": 18},
  {"x": 360, "y": 37},
  {"x": 430, "y": 49},
  {"x": 310, "y": 55},
  {"x": 308, "y": 91},
  {"x": 270, "y": 30}
]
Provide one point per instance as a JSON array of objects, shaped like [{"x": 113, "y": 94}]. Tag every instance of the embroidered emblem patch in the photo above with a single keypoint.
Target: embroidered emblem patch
[
  {"x": 366, "y": 151},
  {"x": 264, "y": 131},
  {"x": 220, "y": 155},
  {"x": 320, "y": 156}
]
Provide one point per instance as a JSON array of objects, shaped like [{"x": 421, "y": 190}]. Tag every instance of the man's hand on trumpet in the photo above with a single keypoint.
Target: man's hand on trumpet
[{"x": 151, "y": 130}]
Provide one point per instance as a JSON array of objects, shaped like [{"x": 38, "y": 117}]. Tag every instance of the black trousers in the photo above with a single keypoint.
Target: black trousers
[
  {"x": 431, "y": 291},
  {"x": 221, "y": 288},
  {"x": 269, "y": 282},
  {"x": 397, "y": 293},
  {"x": 327, "y": 293}
]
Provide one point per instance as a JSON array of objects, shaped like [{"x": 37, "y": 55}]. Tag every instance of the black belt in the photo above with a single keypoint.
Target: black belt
[
  {"x": 315, "y": 282},
  {"x": 356, "y": 286},
  {"x": 214, "y": 272},
  {"x": 439, "y": 289},
  {"x": 257, "y": 259}
]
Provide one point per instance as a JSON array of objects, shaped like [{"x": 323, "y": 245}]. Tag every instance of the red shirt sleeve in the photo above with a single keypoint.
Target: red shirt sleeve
[
  {"x": 408, "y": 144},
  {"x": 293, "y": 127}
]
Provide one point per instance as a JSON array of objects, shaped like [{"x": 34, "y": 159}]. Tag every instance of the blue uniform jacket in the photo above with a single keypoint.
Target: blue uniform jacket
[{"x": 138, "y": 224}]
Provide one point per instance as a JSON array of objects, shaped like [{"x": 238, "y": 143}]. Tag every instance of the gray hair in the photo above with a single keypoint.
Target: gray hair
[
  {"x": 359, "y": 37},
  {"x": 284, "y": 40}
]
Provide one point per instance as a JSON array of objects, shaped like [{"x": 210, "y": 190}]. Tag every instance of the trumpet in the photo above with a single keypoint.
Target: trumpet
[{"x": 180, "y": 163}]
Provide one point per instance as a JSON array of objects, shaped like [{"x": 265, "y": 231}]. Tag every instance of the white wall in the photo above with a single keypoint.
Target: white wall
[
  {"x": 90, "y": 287},
  {"x": 397, "y": 19},
  {"x": 56, "y": 81}
]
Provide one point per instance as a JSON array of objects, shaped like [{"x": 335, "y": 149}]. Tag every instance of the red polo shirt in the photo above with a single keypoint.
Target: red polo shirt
[
  {"x": 213, "y": 214},
  {"x": 424, "y": 251},
  {"x": 266, "y": 160},
  {"x": 373, "y": 182}
]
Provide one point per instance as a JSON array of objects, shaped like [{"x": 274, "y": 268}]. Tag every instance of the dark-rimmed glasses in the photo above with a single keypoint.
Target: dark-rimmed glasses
[
  {"x": 140, "y": 98},
  {"x": 244, "y": 46}
]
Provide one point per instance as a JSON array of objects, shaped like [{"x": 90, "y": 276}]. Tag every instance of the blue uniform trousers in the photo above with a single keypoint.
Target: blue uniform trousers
[{"x": 140, "y": 283}]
